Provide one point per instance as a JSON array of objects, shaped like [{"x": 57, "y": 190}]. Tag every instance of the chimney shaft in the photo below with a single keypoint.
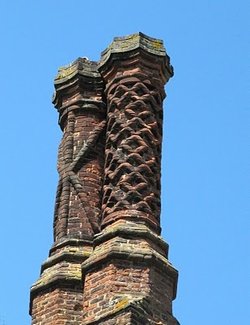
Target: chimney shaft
[{"x": 108, "y": 264}]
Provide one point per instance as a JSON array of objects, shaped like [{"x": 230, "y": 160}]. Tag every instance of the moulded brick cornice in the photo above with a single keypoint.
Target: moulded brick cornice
[
  {"x": 58, "y": 276},
  {"x": 128, "y": 46},
  {"x": 70, "y": 242},
  {"x": 115, "y": 251},
  {"x": 73, "y": 79},
  {"x": 64, "y": 257},
  {"x": 130, "y": 230},
  {"x": 81, "y": 104},
  {"x": 81, "y": 66}
]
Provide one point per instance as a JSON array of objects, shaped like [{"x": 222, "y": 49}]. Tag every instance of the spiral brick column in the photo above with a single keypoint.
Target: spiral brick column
[
  {"x": 128, "y": 278},
  {"x": 56, "y": 298}
]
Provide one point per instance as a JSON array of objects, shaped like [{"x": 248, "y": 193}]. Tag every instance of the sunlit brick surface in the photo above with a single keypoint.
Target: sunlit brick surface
[{"x": 108, "y": 264}]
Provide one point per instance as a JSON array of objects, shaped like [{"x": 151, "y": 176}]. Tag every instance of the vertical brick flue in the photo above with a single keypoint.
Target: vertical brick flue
[
  {"x": 134, "y": 81},
  {"x": 82, "y": 117},
  {"x": 108, "y": 264},
  {"x": 80, "y": 159}
]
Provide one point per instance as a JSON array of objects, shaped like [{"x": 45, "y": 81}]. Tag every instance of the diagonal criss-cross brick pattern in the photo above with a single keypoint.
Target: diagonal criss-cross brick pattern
[
  {"x": 77, "y": 168},
  {"x": 78, "y": 99},
  {"x": 133, "y": 149},
  {"x": 108, "y": 264},
  {"x": 57, "y": 295}
]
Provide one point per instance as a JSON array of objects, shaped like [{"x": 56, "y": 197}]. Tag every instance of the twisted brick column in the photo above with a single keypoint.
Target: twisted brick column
[
  {"x": 56, "y": 298},
  {"x": 127, "y": 278},
  {"x": 80, "y": 157}
]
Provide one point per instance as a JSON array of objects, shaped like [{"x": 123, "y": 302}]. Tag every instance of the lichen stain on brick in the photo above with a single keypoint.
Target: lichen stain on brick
[{"x": 108, "y": 263}]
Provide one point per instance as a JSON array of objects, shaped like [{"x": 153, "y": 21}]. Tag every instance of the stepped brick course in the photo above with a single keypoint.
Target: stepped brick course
[{"x": 108, "y": 264}]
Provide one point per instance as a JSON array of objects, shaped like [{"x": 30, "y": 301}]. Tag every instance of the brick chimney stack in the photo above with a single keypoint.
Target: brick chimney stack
[
  {"x": 108, "y": 264},
  {"x": 56, "y": 298}
]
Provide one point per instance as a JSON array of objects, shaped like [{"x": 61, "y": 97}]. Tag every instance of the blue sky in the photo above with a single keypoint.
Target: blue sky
[{"x": 205, "y": 166}]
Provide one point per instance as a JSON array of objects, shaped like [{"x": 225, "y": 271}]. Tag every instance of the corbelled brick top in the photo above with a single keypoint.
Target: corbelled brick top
[
  {"x": 76, "y": 84},
  {"x": 132, "y": 42},
  {"x": 127, "y": 45},
  {"x": 120, "y": 45},
  {"x": 81, "y": 66},
  {"x": 124, "y": 44}
]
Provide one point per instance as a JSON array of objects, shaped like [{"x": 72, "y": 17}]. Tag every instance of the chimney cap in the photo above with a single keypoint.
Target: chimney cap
[
  {"x": 121, "y": 46},
  {"x": 82, "y": 65}
]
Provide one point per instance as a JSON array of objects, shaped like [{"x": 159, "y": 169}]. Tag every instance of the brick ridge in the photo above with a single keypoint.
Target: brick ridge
[
  {"x": 132, "y": 215},
  {"x": 138, "y": 51},
  {"x": 75, "y": 242},
  {"x": 127, "y": 231},
  {"x": 86, "y": 105},
  {"x": 64, "y": 257}
]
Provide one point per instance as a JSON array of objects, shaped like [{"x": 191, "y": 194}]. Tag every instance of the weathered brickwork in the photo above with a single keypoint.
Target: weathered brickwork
[
  {"x": 134, "y": 90},
  {"x": 80, "y": 158},
  {"x": 128, "y": 266},
  {"x": 79, "y": 101},
  {"x": 108, "y": 264},
  {"x": 70, "y": 311}
]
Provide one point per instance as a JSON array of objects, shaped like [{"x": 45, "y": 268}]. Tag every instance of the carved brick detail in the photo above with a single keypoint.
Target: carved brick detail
[
  {"x": 82, "y": 117},
  {"x": 133, "y": 150},
  {"x": 77, "y": 207},
  {"x": 109, "y": 264},
  {"x": 57, "y": 296}
]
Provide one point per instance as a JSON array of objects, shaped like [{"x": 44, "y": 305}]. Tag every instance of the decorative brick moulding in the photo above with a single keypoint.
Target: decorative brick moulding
[{"x": 108, "y": 264}]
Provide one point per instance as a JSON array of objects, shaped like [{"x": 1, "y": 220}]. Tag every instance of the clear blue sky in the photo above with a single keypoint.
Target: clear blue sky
[{"x": 205, "y": 175}]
